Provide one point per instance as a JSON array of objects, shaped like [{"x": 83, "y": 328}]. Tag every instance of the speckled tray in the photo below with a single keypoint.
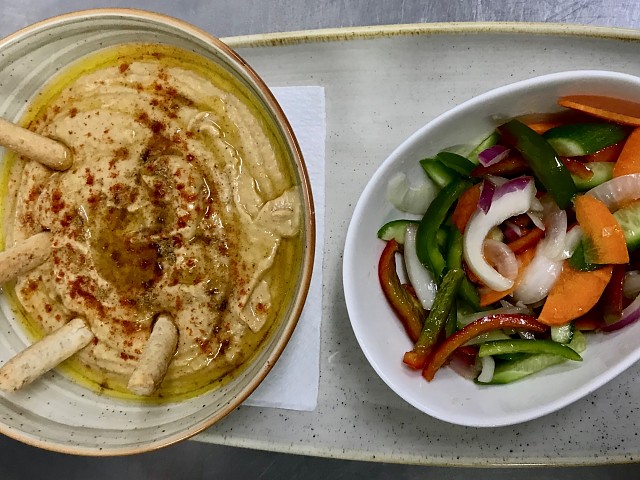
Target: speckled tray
[{"x": 381, "y": 85}]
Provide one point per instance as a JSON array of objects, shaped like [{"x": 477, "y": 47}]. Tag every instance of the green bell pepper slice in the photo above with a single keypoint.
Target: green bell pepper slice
[{"x": 543, "y": 160}]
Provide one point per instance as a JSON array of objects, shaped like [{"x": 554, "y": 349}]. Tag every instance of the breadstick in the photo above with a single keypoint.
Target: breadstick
[
  {"x": 154, "y": 361},
  {"x": 36, "y": 147},
  {"x": 25, "y": 256},
  {"x": 44, "y": 355}
]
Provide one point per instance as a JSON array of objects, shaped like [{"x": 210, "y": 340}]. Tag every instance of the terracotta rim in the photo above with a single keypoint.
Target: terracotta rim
[{"x": 309, "y": 241}]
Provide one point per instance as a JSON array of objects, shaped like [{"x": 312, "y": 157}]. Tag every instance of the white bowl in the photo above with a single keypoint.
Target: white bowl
[
  {"x": 54, "y": 412},
  {"x": 450, "y": 397}
]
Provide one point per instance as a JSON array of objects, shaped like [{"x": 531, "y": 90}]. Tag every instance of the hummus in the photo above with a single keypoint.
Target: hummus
[{"x": 179, "y": 201}]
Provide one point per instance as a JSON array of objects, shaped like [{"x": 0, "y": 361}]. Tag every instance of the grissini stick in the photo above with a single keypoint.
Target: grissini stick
[
  {"x": 36, "y": 147},
  {"x": 25, "y": 256},
  {"x": 154, "y": 361},
  {"x": 44, "y": 355}
]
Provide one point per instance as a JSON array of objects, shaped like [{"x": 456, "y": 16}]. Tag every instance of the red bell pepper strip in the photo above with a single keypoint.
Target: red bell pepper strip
[
  {"x": 480, "y": 326},
  {"x": 398, "y": 297},
  {"x": 612, "y": 299},
  {"x": 577, "y": 168}
]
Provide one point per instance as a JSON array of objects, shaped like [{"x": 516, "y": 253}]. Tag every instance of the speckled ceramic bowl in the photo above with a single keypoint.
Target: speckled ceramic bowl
[
  {"x": 54, "y": 412},
  {"x": 450, "y": 397}
]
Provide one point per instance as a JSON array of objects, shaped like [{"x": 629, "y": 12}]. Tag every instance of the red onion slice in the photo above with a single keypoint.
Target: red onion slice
[
  {"x": 617, "y": 190},
  {"x": 493, "y": 155},
  {"x": 513, "y": 185},
  {"x": 630, "y": 315},
  {"x": 486, "y": 195}
]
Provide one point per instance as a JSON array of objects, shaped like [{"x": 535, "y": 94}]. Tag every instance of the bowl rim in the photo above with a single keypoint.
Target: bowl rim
[
  {"x": 383, "y": 170},
  {"x": 309, "y": 240}
]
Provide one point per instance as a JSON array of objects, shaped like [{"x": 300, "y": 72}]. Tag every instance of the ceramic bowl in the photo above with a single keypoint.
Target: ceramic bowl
[
  {"x": 54, "y": 412},
  {"x": 450, "y": 397}
]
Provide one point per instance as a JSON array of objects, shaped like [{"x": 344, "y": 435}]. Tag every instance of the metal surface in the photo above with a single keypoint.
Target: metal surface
[{"x": 226, "y": 18}]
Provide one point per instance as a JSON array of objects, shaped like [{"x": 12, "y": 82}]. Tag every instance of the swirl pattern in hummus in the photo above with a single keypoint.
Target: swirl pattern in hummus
[{"x": 178, "y": 201}]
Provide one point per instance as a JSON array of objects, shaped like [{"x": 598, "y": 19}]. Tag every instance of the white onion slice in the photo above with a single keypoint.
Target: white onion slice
[
  {"x": 571, "y": 242},
  {"x": 631, "y": 284},
  {"x": 501, "y": 257},
  {"x": 488, "y": 367},
  {"x": 618, "y": 190},
  {"x": 407, "y": 198},
  {"x": 513, "y": 202},
  {"x": 420, "y": 277},
  {"x": 538, "y": 278},
  {"x": 536, "y": 218},
  {"x": 555, "y": 223}
]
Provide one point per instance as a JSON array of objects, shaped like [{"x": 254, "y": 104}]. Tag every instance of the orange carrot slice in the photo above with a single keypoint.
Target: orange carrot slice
[
  {"x": 605, "y": 239},
  {"x": 613, "y": 109},
  {"x": 629, "y": 159},
  {"x": 574, "y": 294},
  {"x": 466, "y": 207}
]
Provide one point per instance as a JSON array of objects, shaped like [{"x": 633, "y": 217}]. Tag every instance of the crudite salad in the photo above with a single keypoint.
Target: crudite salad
[{"x": 522, "y": 246}]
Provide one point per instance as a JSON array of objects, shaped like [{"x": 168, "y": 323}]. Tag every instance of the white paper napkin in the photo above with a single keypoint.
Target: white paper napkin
[{"x": 293, "y": 381}]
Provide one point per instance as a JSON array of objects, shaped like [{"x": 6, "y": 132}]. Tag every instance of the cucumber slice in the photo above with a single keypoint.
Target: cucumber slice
[
  {"x": 579, "y": 139},
  {"x": 562, "y": 334},
  {"x": 395, "y": 230},
  {"x": 602, "y": 172},
  {"x": 508, "y": 372},
  {"x": 629, "y": 219}
]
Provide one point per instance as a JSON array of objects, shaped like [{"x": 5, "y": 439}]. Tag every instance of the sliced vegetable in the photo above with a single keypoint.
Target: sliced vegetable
[
  {"x": 407, "y": 198},
  {"x": 397, "y": 296},
  {"x": 527, "y": 241},
  {"x": 629, "y": 160},
  {"x": 441, "y": 175},
  {"x": 608, "y": 108},
  {"x": 630, "y": 315},
  {"x": 579, "y": 139},
  {"x": 546, "y": 165},
  {"x": 510, "y": 199},
  {"x": 482, "y": 325},
  {"x": 609, "y": 154},
  {"x": 488, "y": 297},
  {"x": 563, "y": 333},
  {"x": 612, "y": 299},
  {"x": 454, "y": 261},
  {"x": 538, "y": 277},
  {"x": 500, "y": 347},
  {"x": 628, "y": 218},
  {"x": 434, "y": 323},
  {"x": 488, "y": 367},
  {"x": 489, "y": 141},
  {"x": 602, "y": 172},
  {"x": 618, "y": 191},
  {"x": 573, "y": 294},
  {"x": 466, "y": 206},
  {"x": 604, "y": 240},
  {"x": 426, "y": 239},
  {"x": 511, "y": 166},
  {"x": 508, "y": 372},
  {"x": 395, "y": 230},
  {"x": 420, "y": 277},
  {"x": 493, "y": 155},
  {"x": 457, "y": 163}
]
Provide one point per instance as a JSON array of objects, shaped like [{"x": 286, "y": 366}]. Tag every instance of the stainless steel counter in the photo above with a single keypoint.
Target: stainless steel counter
[{"x": 228, "y": 18}]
